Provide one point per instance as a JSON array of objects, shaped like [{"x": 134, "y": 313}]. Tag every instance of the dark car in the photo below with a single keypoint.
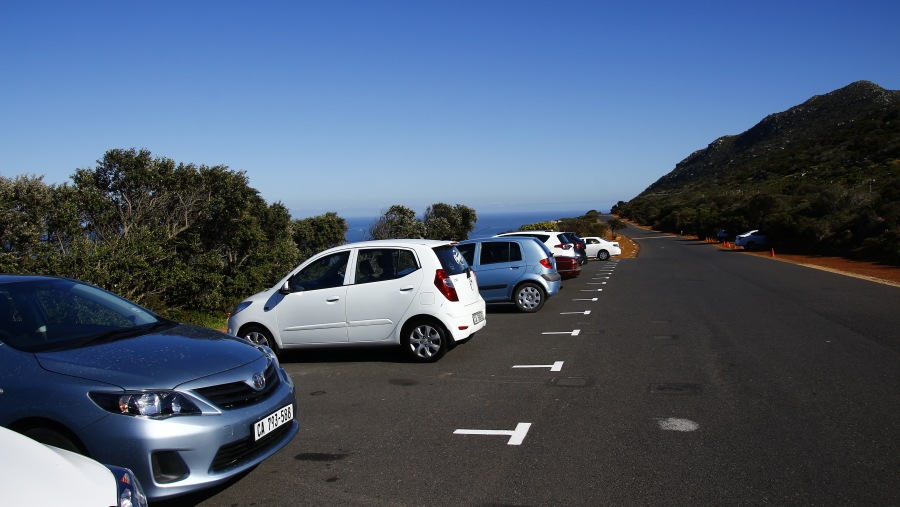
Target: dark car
[
  {"x": 579, "y": 245},
  {"x": 184, "y": 407}
]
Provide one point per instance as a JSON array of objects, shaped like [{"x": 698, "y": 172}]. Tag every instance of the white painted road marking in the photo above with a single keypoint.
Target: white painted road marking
[
  {"x": 591, "y": 290},
  {"x": 572, "y": 333},
  {"x": 675, "y": 424},
  {"x": 556, "y": 366},
  {"x": 516, "y": 436},
  {"x": 585, "y": 299},
  {"x": 586, "y": 312}
]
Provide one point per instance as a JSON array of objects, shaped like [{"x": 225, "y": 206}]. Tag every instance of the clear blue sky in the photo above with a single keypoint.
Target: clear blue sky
[{"x": 352, "y": 106}]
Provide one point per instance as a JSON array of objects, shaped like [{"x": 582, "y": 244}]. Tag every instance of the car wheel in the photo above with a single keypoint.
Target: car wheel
[
  {"x": 603, "y": 255},
  {"x": 55, "y": 438},
  {"x": 260, "y": 336},
  {"x": 529, "y": 297},
  {"x": 750, "y": 246},
  {"x": 424, "y": 342}
]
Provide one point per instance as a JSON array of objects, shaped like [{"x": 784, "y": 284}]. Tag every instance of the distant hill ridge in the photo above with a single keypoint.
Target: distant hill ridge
[{"x": 823, "y": 175}]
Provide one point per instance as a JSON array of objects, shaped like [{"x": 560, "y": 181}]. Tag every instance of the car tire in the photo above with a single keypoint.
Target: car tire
[
  {"x": 55, "y": 438},
  {"x": 750, "y": 246},
  {"x": 529, "y": 297},
  {"x": 260, "y": 336},
  {"x": 424, "y": 341},
  {"x": 602, "y": 255}
]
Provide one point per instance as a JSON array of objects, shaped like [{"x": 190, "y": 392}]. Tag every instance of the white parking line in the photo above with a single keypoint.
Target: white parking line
[
  {"x": 676, "y": 424},
  {"x": 586, "y": 299},
  {"x": 575, "y": 332},
  {"x": 591, "y": 290},
  {"x": 586, "y": 312},
  {"x": 516, "y": 436},
  {"x": 556, "y": 366}
]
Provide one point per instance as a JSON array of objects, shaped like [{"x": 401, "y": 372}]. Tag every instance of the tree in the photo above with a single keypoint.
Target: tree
[
  {"x": 616, "y": 225},
  {"x": 454, "y": 223},
  {"x": 397, "y": 222},
  {"x": 314, "y": 234}
]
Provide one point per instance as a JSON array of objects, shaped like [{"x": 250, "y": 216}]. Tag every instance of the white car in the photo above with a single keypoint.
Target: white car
[
  {"x": 417, "y": 293},
  {"x": 601, "y": 248},
  {"x": 35, "y": 474}
]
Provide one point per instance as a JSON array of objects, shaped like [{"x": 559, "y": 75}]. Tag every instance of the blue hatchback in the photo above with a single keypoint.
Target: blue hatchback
[{"x": 517, "y": 269}]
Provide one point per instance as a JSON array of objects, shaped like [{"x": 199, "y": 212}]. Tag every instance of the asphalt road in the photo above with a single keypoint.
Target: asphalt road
[{"x": 687, "y": 376}]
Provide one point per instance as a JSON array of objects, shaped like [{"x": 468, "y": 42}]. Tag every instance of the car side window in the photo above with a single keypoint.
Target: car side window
[
  {"x": 324, "y": 273},
  {"x": 468, "y": 252},
  {"x": 379, "y": 264},
  {"x": 591, "y": 241},
  {"x": 493, "y": 252}
]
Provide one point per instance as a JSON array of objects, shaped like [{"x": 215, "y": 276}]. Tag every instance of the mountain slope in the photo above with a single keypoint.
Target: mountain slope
[{"x": 821, "y": 176}]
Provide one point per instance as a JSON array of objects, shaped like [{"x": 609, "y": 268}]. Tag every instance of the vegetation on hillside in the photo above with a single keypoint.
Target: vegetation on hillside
[{"x": 822, "y": 177}]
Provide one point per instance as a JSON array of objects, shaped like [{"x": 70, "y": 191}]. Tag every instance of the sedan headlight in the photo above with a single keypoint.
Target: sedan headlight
[{"x": 152, "y": 404}]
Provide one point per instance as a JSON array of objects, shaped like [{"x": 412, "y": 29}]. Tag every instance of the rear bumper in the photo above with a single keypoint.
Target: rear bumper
[{"x": 462, "y": 325}]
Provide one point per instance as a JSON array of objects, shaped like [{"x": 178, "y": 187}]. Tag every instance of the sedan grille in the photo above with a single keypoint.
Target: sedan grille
[
  {"x": 241, "y": 394},
  {"x": 245, "y": 450}
]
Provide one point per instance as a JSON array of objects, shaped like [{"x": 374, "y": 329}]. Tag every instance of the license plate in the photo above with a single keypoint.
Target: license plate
[
  {"x": 477, "y": 317},
  {"x": 272, "y": 421}
]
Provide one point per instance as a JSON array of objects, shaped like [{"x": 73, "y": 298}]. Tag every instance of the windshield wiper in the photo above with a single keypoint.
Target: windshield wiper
[{"x": 125, "y": 332}]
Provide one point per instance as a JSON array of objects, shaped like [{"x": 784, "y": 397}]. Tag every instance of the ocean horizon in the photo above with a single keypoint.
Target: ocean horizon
[{"x": 488, "y": 224}]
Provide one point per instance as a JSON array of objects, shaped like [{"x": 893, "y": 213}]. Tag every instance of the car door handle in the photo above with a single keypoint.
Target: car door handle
[
  {"x": 332, "y": 299},
  {"x": 407, "y": 288}
]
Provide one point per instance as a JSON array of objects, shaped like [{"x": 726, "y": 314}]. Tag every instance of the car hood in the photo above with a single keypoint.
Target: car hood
[
  {"x": 31, "y": 470},
  {"x": 154, "y": 361}
]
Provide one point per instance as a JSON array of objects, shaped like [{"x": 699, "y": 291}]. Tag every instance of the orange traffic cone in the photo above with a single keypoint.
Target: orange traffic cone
[{"x": 772, "y": 253}]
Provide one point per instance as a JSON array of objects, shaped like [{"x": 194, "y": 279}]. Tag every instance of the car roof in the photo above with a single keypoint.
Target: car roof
[
  {"x": 13, "y": 278},
  {"x": 388, "y": 243}
]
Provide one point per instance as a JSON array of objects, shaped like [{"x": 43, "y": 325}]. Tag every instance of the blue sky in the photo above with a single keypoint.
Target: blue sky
[{"x": 352, "y": 106}]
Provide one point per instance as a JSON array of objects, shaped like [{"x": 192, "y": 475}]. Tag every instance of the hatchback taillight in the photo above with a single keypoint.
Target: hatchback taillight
[
  {"x": 444, "y": 284},
  {"x": 564, "y": 246},
  {"x": 547, "y": 263}
]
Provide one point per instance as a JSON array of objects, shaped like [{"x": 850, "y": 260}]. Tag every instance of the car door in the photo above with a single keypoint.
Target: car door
[
  {"x": 591, "y": 246},
  {"x": 386, "y": 282},
  {"x": 500, "y": 266},
  {"x": 315, "y": 309}
]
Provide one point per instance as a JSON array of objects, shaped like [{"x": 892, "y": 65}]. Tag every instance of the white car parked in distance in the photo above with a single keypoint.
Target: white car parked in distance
[
  {"x": 35, "y": 474},
  {"x": 417, "y": 293},
  {"x": 601, "y": 248}
]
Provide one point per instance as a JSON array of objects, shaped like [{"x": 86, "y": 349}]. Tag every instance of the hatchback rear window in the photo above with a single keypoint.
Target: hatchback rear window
[{"x": 451, "y": 260}]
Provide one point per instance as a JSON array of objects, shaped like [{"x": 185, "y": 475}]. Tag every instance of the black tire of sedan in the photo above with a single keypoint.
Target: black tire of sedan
[
  {"x": 529, "y": 297},
  {"x": 424, "y": 341},
  {"x": 260, "y": 336},
  {"x": 603, "y": 255}
]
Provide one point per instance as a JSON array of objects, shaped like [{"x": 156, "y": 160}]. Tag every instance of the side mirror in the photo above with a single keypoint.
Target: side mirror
[{"x": 286, "y": 288}]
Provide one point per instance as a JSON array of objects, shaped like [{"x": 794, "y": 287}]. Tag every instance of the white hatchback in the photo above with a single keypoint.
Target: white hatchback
[
  {"x": 600, "y": 248},
  {"x": 417, "y": 293}
]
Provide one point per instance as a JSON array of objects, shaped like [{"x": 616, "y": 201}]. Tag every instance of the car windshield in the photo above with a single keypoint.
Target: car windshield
[
  {"x": 451, "y": 259},
  {"x": 55, "y": 314}
]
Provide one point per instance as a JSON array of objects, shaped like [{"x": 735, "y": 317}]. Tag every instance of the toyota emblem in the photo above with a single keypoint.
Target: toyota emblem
[{"x": 259, "y": 381}]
